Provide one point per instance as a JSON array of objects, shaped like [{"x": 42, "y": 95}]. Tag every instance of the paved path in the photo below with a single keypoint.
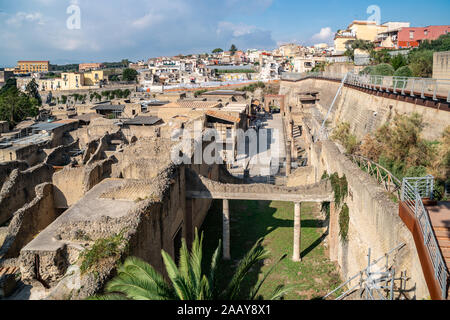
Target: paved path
[{"x": 271, "y": 154}]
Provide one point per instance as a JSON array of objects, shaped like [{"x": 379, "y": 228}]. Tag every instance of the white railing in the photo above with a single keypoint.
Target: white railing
[
  {"x": 422, "y": 87},
  {"x": 413, "y": 191}
]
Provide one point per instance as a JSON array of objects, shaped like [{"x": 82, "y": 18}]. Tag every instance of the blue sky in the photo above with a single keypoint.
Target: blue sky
[{"x": 139, "y": 29}]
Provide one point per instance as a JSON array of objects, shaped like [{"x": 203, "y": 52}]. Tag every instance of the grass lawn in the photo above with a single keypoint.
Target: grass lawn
[{"x": 314, "y": 277}]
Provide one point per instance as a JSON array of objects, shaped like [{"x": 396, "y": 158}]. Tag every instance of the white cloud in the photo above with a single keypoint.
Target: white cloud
[
  {"x": 21, "y": 17},
  {"x": 237, "y": 30},
  {"x": 325, "y": 34}
]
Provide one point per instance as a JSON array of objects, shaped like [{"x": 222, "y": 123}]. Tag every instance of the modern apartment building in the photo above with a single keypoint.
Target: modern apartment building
[{"x": 24, "y": 67}]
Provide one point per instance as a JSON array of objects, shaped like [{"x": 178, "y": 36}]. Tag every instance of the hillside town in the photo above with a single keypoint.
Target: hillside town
[{"x": 333, "y": 156}]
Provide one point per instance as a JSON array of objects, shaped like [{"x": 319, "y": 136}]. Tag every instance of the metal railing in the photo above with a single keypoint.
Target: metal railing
[
  {"x": 376, "y": 280},
  {"x": 412, "y": 86},
  {"x": 384, "y": 177},
  {"x": 413, "y": 191}
]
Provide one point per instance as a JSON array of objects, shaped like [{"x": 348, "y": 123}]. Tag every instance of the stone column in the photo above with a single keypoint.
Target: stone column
[
  {"x": 288, "y": 158},
  {"x": 226, "y": 230},
  {"x": 297, "y": 232}
]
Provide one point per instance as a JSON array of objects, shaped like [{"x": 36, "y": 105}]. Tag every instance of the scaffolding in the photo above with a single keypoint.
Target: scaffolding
[{"x": 377, "y": 281}]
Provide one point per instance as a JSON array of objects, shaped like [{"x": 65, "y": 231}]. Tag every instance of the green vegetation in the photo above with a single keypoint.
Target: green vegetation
[
  {"x": 348, "y": 140},
  {"x": 16, "y": 106},
  {"x": 358, "y": 44},
  {"x": 129, "y": 75},
  {"x": 314, "y": 277},
  {"x": 109, "y": 248},
  {"x": 340, "y": 189},
  {"x": 399, "y": 147},
  {"x": 344, "y": 220},
  {"x": 419, "y": 60},
  {"x": 217, "y": 50},
  {"x": 252, "y": 87},
  {"x": 137, "y": 280},
  {"x": 399, "y": 61},
  {"x": 199, "y": 92},
  {"x": 421, "y": 63},
  {"x": 233, "y": 49}
]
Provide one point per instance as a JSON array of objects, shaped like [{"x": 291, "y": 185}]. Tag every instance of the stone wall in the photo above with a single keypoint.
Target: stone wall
[
  {"x": 374, "y": 221},
  {"x": 29, "y": 221},
  {"x": 365, "y": 112},
  {"x": 72, "y": 183},
  {"x": 7, "y": 167},
  {"x": 19, "y": 189}
]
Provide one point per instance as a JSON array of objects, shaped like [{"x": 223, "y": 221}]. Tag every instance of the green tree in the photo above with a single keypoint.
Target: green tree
[
  {"x": 137, "y": 280},
  {"x": 233, "y": 49},
  {"x": 217, "y": 50},
  {"x": 15, "y": 106},
  {"x": 352, "y": 45},
  {"x": 129, "y": 75},
  {"x": 384, "y": 69},
  {"x": 398, "y": 61},
  {"x": 421, "y": 63},
  {"x": 440, "y": 44},
  {"x": 381, "y": 56}
]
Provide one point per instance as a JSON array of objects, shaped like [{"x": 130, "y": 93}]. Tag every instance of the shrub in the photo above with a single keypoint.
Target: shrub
[
  {"x": 102, "y": 249},
  {"x": 404, "y": 71},
  {"x": 343, "y": 135},
  {"x": 344, "y": 220},
  {"x": 421, "y": 63},
  {"x": 384, "y": 69},
  {"x": 398, "y": 61}
]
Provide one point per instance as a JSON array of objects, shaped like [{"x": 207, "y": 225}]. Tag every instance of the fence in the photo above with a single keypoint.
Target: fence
[
  {"x": 423, "y": 87},
  {"x": 384, "y": 177},
  {"x": 413, "y": 191}
]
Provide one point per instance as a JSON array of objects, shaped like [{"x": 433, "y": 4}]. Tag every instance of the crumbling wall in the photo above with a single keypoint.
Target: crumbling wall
[
  {"x": 374, "y": 220},
  {"x": 7, "y": 167},
  {"x": 68, "y": 185},
  {"x": 72, "y": 183},
  {"x": 60, "y": 156},
  {"x": 99, "y": 153},
  {"x": 29, "y": 221},
  {"x": 19, "y": 189}
]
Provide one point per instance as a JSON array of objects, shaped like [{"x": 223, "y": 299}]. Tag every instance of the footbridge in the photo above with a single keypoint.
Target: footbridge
[{"x": 199, "y": 187}]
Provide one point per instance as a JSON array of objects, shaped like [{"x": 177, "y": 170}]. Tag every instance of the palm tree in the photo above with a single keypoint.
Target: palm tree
[{"x": 137, "y": 280}]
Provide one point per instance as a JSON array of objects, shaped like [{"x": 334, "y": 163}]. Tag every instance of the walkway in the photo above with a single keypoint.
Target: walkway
[{"x": 440, "y": 221}]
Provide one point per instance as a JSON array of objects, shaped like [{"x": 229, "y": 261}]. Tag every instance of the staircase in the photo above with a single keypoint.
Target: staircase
[{"x": 297, "y": 139}]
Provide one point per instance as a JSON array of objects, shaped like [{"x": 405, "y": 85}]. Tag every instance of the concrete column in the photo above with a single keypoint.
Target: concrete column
[
  {"x": 226, "y": 230},
  {"x": 297, "y": 232},
  {"x": 333, "y": 232}
]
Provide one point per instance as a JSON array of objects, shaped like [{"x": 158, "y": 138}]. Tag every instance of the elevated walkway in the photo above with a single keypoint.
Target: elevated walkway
[
  {"x": 199, "y": 187},
  {"x": 429, "y": 223}
]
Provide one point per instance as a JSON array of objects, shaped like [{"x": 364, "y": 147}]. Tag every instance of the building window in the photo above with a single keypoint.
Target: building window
[{"x": 411, "y": 35}]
